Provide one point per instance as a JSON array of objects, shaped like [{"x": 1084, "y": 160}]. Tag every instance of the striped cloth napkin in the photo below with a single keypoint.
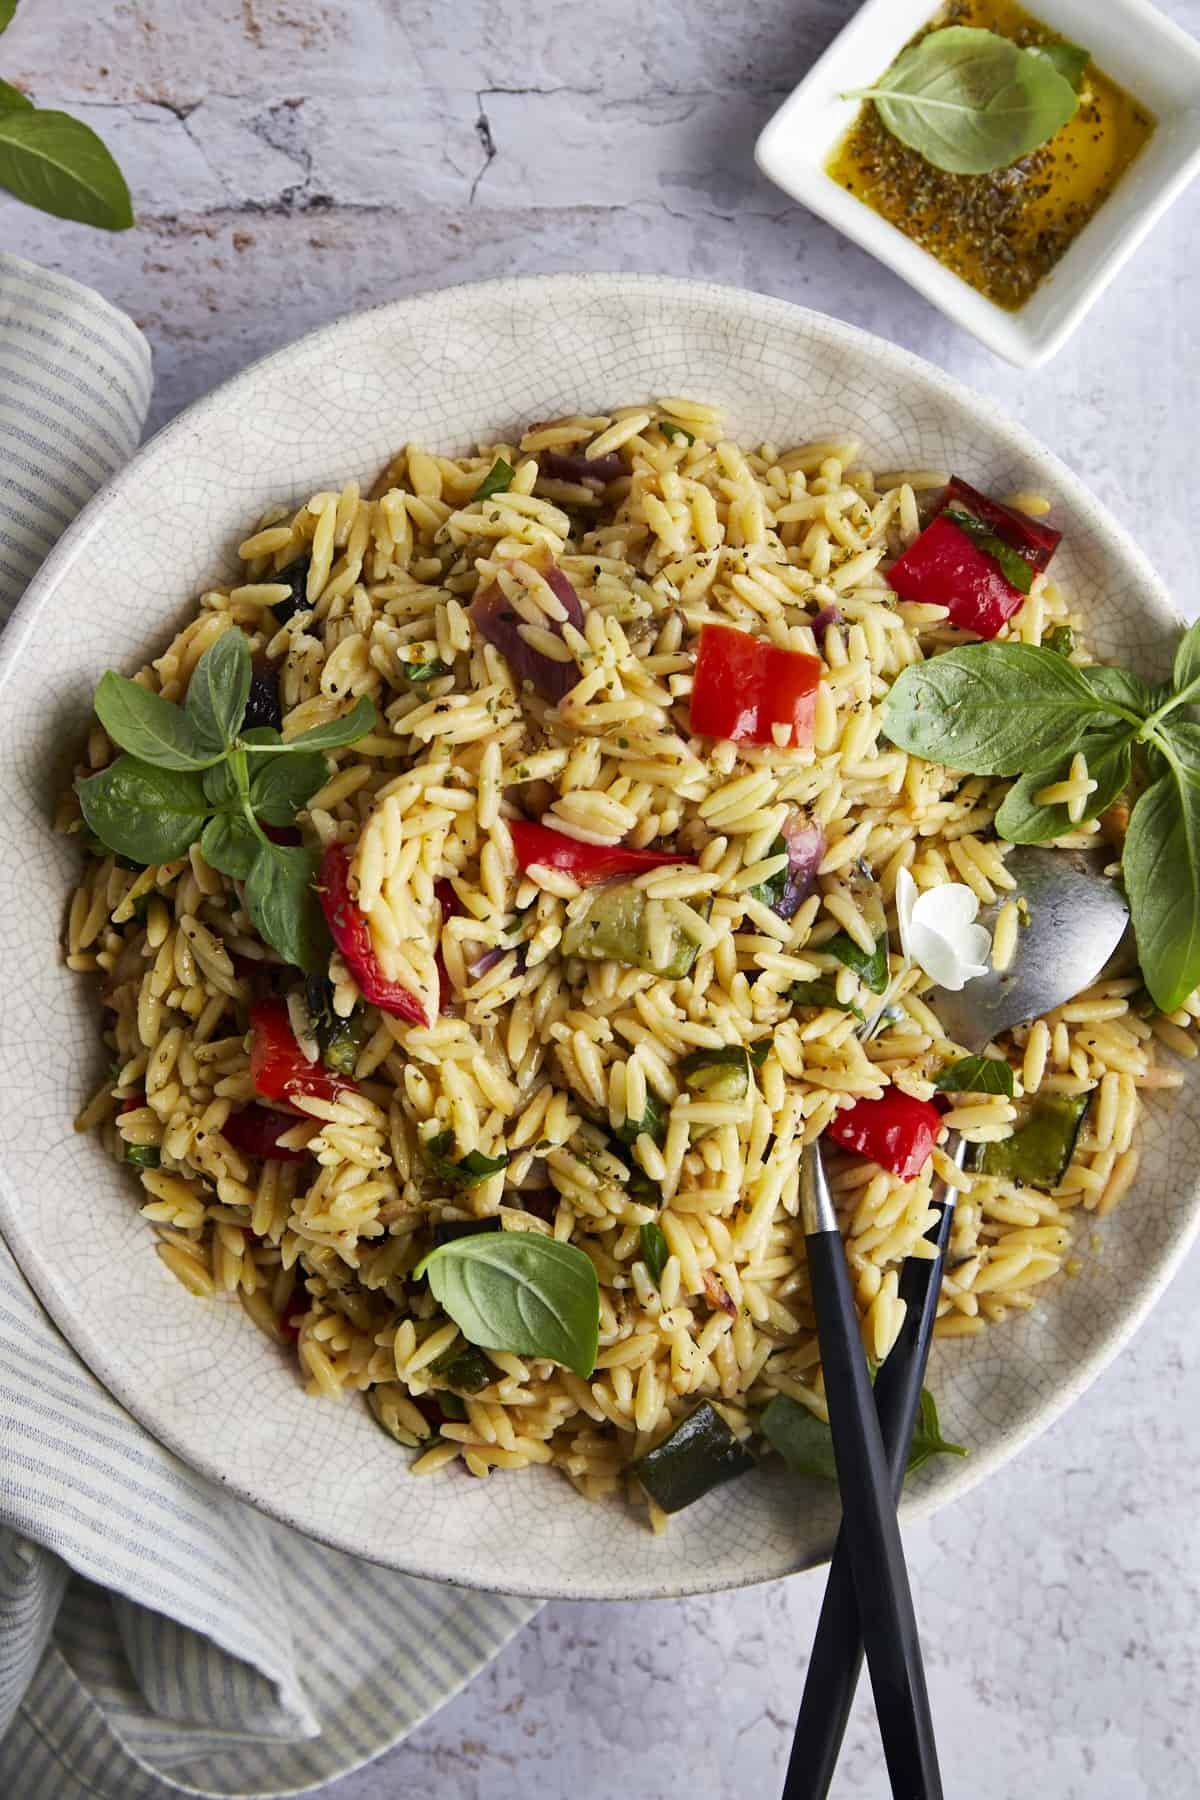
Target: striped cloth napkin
[{"x": 157, "y": 1637}]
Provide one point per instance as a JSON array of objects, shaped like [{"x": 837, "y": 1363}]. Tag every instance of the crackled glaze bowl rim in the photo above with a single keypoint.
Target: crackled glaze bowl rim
[{"x": 642, "y": 1572}]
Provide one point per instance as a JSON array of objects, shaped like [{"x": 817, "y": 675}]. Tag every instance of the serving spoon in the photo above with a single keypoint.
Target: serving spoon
[{"x": 1075, "y": 919}]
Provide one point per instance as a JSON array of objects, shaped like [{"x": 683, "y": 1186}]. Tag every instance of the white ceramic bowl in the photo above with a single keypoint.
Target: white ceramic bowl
[
  {"x": 1128, "y": 39},
  {"x": 444, "y": 369}
]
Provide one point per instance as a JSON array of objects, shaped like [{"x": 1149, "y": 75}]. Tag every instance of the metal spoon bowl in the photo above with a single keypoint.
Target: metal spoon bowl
[{"x": 1076, "y": 917}]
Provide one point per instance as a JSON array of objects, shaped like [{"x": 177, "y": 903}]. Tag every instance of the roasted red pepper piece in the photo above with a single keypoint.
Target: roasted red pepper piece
[
  {"x": 279, "y": 1068},
  {"x": 897, "y": 1132},
  {"x": 352, "y": 935},
  {"x": 1035, "y": 541},
  {"x": 256, "y": 1131},
  {"x": 744, "y": 686},
  {"x": 585, "y": 863},
  {"x": 943, "y": 567}
]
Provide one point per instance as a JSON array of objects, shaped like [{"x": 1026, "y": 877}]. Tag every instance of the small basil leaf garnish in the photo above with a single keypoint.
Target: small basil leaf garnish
[
  {"x": 655, "y": 1250},
  {"x": 976, "y": 1075},
  {"x": 460, "y": 1172},
  {"x": 496, "y": 481},
  {"x": 871, "y": 970},
  {"x": 519, "y": 1291}
]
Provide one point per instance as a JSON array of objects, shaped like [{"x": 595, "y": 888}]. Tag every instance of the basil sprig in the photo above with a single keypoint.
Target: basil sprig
[
  {"x": 970, "y": 101},
  {"x": 1024, "y": 710},
  {"x": 57, "y": 163},
  {"x": 519, "y": 1291},
  {"x": 189, "y": 773}
]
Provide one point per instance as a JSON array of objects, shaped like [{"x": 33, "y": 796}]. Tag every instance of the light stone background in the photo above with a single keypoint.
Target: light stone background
[{"x": 295, "y": 159}]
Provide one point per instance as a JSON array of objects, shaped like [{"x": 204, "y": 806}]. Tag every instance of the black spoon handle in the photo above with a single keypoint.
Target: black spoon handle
[
  {"x": 871, "y": 1535},
  {"x": 836, "y": 1662}
]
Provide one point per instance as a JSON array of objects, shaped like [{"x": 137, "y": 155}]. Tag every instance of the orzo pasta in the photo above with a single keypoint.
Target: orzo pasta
[{"x": 625, "y": 1054}]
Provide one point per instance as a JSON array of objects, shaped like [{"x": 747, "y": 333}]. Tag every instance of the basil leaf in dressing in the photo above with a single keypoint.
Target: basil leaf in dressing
[{"x": 970, "y": 101}]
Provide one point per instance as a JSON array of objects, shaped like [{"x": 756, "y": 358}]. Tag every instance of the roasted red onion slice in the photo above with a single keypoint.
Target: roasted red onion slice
[
  {"x": 805, "y": 847},
  {"x": 828, "y": 615},
  {"x": 496, "y": 620},
  {"x": 586, "y": 471}
]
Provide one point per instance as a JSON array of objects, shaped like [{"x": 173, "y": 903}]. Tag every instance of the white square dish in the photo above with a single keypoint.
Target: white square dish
[{"x": 1131, "y": 41}]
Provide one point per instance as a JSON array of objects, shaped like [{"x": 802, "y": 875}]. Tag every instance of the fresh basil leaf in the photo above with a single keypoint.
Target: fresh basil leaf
[
  {"x": 927, "y": 1439},
  {"x": 653, "y": 1122},
  {"x": 1012, "y": 565},
  {"x": 760, "y": 1048},
  {"x": 806, "y": 1443},
  {"x": 872, "y": 970},
  {"x": 1068, "y": 59},
  {"x": 460, "y": 1172},
  {"x": 149, "y": 727},
  {"x": 7, "y": 10},
  {"x": 416, "y": 673},
  {"x": 1183, "y": 739},
  {"x": 150, "y": 814},
  {"x": 976, "y": 1075},
  {"x": 59, "y": 165},
  {"x": 347, "y": 729},
  {"x": 143, "y": 1156},
  {"x": 1161, "y": 866},
  {"x": 1120, "y": 688},
  {"x": 220, "y": 789},
  {"x": 284, "y": 785},
  {"x": 519, "y": 1291},
  {"x": 218, "y": 690},
  {"x": 820, "y": 993},
  {"x": 769, "y": 892},
  {"x": 496, "y": 481},
  {"x": 1109, "y": 758},
  {"x": 1186, "y": 668},
  {"x": 970, "y": 101},
  {"x": 655, "y": 1250},
  {"x": 671, "y": 431},
  {"x": 11, "y": 98},
  {"x": 283, "y": 905},
  {"x": 230, "y": 845},
  {"x": 990, "y": 709}
]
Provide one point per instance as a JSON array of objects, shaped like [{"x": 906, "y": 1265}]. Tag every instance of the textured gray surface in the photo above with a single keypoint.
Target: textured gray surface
[{"x": 293, "y": 160}]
